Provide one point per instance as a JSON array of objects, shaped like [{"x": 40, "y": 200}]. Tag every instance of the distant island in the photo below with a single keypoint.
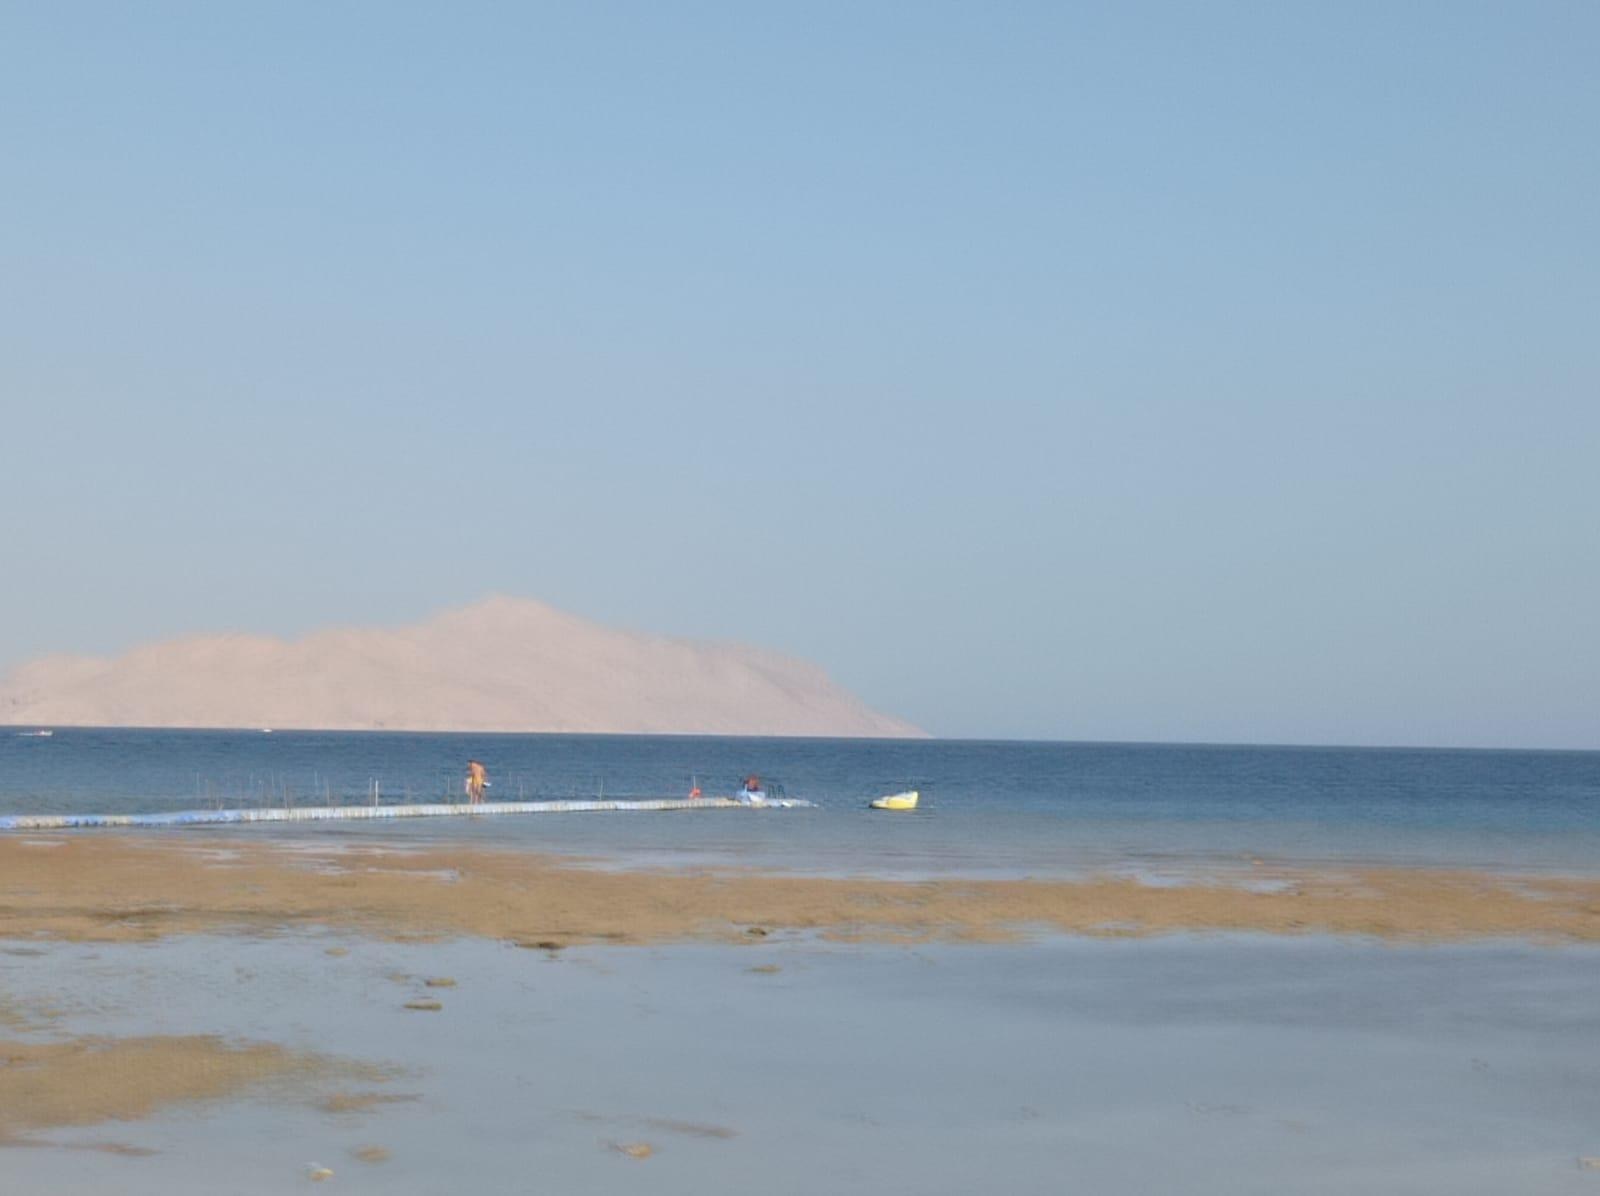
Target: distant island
[{"x": 503, "y": 664}]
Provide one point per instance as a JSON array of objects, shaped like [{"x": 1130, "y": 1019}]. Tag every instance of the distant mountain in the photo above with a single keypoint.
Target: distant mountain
[{"x": 503, "y": 664}]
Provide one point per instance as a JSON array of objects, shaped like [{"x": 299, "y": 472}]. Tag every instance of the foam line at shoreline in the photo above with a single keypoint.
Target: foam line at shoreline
[{"x": 55, "y": 822}]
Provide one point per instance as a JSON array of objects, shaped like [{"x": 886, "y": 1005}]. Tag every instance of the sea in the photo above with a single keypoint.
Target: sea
[{"x": 988, "y": 808}]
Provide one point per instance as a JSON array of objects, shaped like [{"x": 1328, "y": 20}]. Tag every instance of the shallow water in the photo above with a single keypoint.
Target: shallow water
[
  {"x": 1203, "y": 1065},
  {"x": 988, "y": 808}
]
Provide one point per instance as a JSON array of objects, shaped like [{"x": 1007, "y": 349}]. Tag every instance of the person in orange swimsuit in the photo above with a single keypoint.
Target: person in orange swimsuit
[{"x": 477, "y": 781}]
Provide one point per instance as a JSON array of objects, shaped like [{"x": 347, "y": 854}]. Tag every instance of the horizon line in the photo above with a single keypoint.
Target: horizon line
[{"x": 894, "y": 739}]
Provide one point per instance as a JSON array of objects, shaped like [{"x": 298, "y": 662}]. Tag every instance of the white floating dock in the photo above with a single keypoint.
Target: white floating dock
[{"x": 59, "y": 822}]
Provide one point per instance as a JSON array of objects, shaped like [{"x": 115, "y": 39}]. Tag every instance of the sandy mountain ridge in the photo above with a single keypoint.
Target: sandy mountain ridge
[{"x": 503, "y": 664}]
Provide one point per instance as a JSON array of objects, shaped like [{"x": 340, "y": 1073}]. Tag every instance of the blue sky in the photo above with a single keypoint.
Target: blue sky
[{"x": 1208, "y": 372}]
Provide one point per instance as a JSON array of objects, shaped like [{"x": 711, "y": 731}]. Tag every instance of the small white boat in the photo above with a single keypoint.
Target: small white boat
[
  {"x": 897, "y": 801},
  {"x": 35, "y": 734}
]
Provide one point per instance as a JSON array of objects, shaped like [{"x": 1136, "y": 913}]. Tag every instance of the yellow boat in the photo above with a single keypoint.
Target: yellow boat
[{"x": 897, "y": 801}]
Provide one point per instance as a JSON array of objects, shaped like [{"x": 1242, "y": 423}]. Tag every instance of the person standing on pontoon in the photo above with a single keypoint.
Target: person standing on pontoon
[{"x": 477, "y": 781}]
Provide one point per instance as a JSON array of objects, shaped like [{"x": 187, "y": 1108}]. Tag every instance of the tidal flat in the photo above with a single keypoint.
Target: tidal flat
[{"x": 205, "y": 1016}]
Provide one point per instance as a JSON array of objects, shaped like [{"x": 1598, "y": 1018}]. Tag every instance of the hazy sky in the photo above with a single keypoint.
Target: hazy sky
[{"x": 1138, "y": 371}]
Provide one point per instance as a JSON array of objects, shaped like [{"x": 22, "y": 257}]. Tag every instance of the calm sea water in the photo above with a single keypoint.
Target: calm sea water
[{"x": 989, "y": 808}]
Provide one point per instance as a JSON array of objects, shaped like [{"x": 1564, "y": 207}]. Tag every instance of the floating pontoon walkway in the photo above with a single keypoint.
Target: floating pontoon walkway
[{"x": 59, "y": 822}]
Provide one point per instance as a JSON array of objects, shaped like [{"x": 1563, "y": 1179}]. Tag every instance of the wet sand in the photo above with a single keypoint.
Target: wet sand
[
  {"x": 87, "y": 1080},
  {"x": 117, "y": 888}
]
